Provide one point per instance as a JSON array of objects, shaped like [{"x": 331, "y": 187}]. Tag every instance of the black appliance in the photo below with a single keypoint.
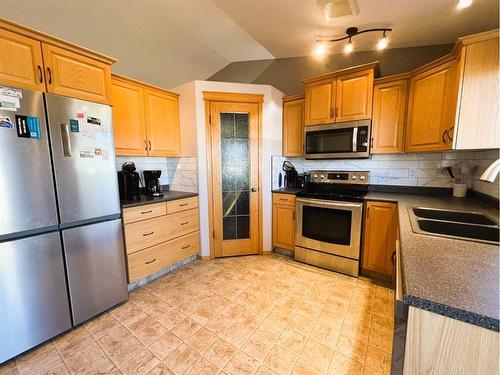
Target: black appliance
[
  {"x": 128, "y": 182},
  {"x": 152, "y": 183},
  {"x": 348, "y": 140},
  {"x": 291, "y": 174}
]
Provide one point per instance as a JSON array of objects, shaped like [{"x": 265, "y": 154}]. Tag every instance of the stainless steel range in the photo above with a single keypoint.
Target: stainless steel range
[{"x": 329, "y": 217}]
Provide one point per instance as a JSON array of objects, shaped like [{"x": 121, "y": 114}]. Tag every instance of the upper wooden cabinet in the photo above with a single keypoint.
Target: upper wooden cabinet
[
  {"x": 145, "y": 118},
  {"x": 162, "y": 122},
  {"x": 36, "y": 61},
  {"x": 389, "y": 114},
  {"x": 293, "y": 125},
  {"x": 21, "y": 63},
  {"x": 128, "y": 118},
  {"x": 380, "y": 234},
  {"x": 340, "y": 96},
  {"x": 353, "y": 99},
  {"x": 478, "y": 122},
  {"x": 70, "y": 74},
  {"x": 432, "y": 104}
]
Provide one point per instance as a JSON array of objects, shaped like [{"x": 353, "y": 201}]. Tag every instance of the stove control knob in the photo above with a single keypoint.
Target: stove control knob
[
  {"x": 322, "y": 176},
  {"x": 315, "y": 176},
  {"x": 362, "y": 177},
  {"x": 354, "y": 178}
]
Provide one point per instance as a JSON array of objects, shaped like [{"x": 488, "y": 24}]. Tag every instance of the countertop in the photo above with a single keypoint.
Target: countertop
[
  {"x": 293, "y": 191},
  {"x": 455, "y": 278},
  {"x": 168, "y": 195}
]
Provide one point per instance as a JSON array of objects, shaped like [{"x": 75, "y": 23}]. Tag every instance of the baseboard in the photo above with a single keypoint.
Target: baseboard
[
  {"x": 269, "y": 252},
  {"x": 202, "y": 257}
]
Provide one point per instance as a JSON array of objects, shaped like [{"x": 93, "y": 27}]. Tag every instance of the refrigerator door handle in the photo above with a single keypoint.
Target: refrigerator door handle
[{"x": 66, "y": 142}]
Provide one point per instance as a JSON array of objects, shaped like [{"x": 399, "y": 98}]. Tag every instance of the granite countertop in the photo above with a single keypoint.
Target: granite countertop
[
  {"x": 168, "y": 195},
  {"x": 455, "y": 278},
  {"x": 286, "y": 190}
]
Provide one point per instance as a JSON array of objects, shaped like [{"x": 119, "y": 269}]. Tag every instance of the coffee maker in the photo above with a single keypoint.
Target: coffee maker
[
  {"x": 152, "y": 183},
  {"x": 128, "y": 182}
]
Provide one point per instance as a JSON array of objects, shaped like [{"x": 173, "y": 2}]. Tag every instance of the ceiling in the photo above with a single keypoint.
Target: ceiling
[{"x": 170, "y": 42}]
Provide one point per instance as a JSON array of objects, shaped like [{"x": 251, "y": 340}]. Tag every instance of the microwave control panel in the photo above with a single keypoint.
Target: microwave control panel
[{"x": 340, "y": 177}]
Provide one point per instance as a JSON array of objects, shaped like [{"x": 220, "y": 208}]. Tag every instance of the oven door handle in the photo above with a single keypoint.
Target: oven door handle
[
  {"x": 332, "y": 204},
  {"x": 355, "y": 139}
]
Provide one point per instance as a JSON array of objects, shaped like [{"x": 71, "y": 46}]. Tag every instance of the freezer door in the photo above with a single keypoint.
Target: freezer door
[
  {"x": 95, "y": 260},
  {"x": 34, "y": 299},
  {"x": 27, "y": 198},
  {"x": 83, "y": 150}
]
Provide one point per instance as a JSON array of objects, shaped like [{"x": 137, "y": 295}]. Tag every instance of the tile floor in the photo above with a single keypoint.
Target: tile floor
[{"x": 246, "y": 315}]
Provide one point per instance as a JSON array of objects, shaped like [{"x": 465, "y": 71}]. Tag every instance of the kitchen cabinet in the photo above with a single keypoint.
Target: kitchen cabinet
[
  {"x": 432, "y": 104},
  {"x": 36, "y": 61},
  {"x": 389, "y": 114},
  {"x": 146, "y": 119},
  {"x": 478, "y": 123},
  {"x": 293, "y": 125},
  {"x": 21, "y": 63},
  {"x": 380, "y": 234},
  {"x": 160, "y": 234},
  {"x": 340, "y": 96},
  {"x": 284, "y": 221}
]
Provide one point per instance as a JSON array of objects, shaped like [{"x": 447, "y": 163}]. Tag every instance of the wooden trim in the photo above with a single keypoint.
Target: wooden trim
[
  {"x": 143, "y": 84},
  {"x": 479, "y": 37},
  {"x": 291, "y": 98},
  {"x": 433, "y": 64},
  {"x": 203, "y": 257},
  {"x": 235, "y": 97},
  {"x": 49, "y": 39},
  {"x": 208, "y": 145},
  {"x": 331, "y": 75},
  {"x": 259, "y": 167},
  {"x": 395, "y": 77}
]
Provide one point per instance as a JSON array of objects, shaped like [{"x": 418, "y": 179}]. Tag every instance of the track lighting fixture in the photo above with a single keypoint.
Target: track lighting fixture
[{"x": 352, "y": 32}]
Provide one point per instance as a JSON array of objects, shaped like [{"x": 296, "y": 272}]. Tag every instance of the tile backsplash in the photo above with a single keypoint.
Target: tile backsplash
[
  {"x": 179, "y": 173},
  {"x": 425, "y": 169}
]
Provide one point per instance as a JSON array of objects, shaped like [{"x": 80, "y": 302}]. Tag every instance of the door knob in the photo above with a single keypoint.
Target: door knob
[{"x": 254, "y": 190}]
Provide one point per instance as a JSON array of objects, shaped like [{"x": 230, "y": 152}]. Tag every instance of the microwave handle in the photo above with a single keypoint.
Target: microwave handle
[{"x": 355, "y": 139}]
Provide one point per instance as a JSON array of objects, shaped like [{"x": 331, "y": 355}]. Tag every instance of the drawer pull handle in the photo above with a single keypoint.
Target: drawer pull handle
[
  {"x": 183, "y": 204},
  {"x": 186, "y": 222},
  {"x": 186, "y": 247},
  {"x": 284, "y": 199},
  {"x": 146, "y": 212},
  {"x": 151, "y": 261},
  {"x": 147, "y": 234}
]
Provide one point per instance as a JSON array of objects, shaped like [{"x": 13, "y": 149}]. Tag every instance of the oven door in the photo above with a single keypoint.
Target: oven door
[
  {"x": 329, "y": 226},
  {"x": 346, "y": 140}
]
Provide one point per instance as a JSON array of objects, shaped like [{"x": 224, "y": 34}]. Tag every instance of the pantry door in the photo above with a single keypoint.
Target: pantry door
[{"x": 234, "y": 154}]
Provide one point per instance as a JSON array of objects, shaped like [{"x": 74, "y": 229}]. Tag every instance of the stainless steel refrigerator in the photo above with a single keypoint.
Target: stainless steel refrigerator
[{"x": 61, "y": 243}]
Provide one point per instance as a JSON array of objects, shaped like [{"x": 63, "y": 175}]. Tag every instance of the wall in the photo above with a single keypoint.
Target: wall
[
  {"x": 287, "y": 74},
  {"x": 425, "y": 169},
  {"x": 191, "y": 95}
]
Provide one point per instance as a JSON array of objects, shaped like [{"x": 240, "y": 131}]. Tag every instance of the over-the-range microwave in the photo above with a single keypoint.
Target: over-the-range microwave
[{"x": 338, "y": 141}]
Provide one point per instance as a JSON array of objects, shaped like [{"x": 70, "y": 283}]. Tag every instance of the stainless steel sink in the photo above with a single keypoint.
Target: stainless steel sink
[{"x": 469, "y": 226}]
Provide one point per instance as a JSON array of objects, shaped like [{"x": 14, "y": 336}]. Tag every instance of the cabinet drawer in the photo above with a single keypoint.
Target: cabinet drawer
[
  {"x": 182, "y": 205},
  {"x": 286, "y": 199},
  {"x": 145, "y": 262},
  {"x": 143, "y": 212},
  {"x": 146, "y": 233}
]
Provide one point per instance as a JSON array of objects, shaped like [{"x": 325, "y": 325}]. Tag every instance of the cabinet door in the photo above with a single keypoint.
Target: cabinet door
[
  {"x": 479, "y": 114},
  {"x": 128, "y": 119},
  {"x": 432, "y": 103},
  {"x": 380, "y": 235},
  {"x": 293, "y": 128},
  {"x": 162, "y": 123},
  {"x": 70, "y": 74},
  {"x": 319, "y": 103},
  {"x": 21, "y": 62},
  {"x": 389, "y": 109},
  {"x": 284, "y": 226},
  {"x": 353, "y": 99}
]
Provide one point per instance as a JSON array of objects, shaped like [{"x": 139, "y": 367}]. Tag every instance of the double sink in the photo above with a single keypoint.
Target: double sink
[{"x": 469, "y": 226}]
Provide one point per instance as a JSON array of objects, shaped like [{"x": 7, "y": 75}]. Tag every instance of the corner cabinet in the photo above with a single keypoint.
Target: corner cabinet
[
  {"x": 432, "y": 107},
  {"x": 284, "y": 221},
  {"x": 380, "y": 235},
  {"x": 340, "y": 96},
  {"x": 36, "y": 61},
  {"x": 293, "y": 125},
  {"x": 146, "y": 119},
  {"x": 389, "y": 115}
]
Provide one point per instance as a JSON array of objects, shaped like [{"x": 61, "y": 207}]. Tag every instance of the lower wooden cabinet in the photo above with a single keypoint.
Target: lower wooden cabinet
[
  {"x": 380, "y": 235},
  {"x": 160, "y": 234},
  {"x": 284, "y": 221}
]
